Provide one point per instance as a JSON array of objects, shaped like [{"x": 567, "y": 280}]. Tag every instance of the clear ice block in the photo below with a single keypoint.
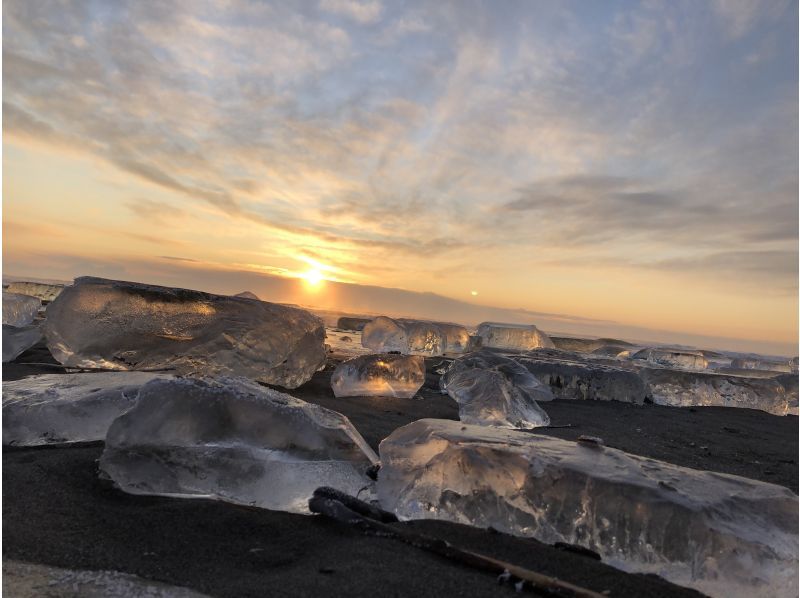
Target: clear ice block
[
  {"x": 687, "y": 389},
  {"x": 672, "y": 358},
  {"x": 41, "y": 290},
  {"x": 759, "y": 363},
  {"x": 724, "y": 535},
  {"x": 584, "y": 376},
  {"x": 493, "y": 390},
  {"x": 63, "y": 408},
  {"x": 126, "y": 325},
  {"x": 19, "y": 310},
  {"x": 233, "y": 440},
  {"x": 517, "y": 337},
  {"x": 18, "y": 339},
  {"x": 414, "y": 337},
  {"x": 383, "y": 375}
]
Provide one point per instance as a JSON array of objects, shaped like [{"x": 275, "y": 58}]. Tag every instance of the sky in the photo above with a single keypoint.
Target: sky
[{"x": 629, "y": 163}]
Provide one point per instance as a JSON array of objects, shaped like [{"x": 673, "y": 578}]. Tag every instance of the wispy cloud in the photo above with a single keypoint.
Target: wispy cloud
[{"x": 363, "y": 12}]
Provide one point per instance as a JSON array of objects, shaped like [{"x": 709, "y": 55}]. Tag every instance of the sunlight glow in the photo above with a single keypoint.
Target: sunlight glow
[{"x": 313, "y": 277}]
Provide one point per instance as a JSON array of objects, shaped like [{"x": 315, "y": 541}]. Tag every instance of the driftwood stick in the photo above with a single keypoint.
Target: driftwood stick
[
  {"x": 323, "y": 504},
  {"x": 85, "y": 369},
  {"x": 359, "y": 506}
]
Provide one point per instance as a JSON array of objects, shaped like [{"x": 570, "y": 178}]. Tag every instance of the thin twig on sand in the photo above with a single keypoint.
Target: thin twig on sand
[
  {"x": 326, "y": 503},
  {"x": 86, "y": 369}
]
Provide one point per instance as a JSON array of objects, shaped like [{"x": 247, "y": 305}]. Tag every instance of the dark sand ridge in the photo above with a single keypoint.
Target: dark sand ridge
[{"x": 56, "y": 512}]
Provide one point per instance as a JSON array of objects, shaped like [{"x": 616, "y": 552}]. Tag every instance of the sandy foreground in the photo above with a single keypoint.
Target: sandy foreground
[{"x": 56, "y": 512}]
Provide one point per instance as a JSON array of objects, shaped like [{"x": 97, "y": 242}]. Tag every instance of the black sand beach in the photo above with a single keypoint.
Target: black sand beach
[{"x": 56, "y": 512}]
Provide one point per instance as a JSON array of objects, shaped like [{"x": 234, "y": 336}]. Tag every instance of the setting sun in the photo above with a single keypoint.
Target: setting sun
[{"x": 313, "y": 277}]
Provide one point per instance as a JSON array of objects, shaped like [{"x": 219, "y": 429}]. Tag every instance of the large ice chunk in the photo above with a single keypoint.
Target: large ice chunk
[
  {"x": 44, "y": 291},
  {"x": 518, "y": 337},
  {"x": 722, "y": 534},
  {"x": 573, "y": 376},
  {"x": 672, "y": 358},
  {"x": 379, "y": 375},
  {"x": 589, "y": 345},
  {"x": 414, "y": 337},
  {"x": 686, "y": 389},
  {"x": 493, "y": 390},
  {"x": 233, "y": 440},
  {"x": 18, "y": 339},
  {"x": 62, "y": 408},
  {"x": 19, "y": 310},
  {"x": 127, "y": 325}
]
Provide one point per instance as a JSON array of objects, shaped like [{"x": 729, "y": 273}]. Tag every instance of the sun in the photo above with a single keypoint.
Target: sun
[{"x": 313, "y": 277}]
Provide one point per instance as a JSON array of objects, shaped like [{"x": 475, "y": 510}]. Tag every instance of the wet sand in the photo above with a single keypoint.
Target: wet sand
[{"x": 56, "y": 512}]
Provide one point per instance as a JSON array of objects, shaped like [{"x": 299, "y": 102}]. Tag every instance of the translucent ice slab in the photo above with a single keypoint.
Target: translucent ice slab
[
  {"x": 414, "y": 337},
  {"x": 233, "y": 440},
  {"x": 584, "y": 377},
  {"x": 62, "y": 408},
  {"x": 686, "y": 389},
  {"x": 19, "y": 310},
  {"x": 724, "y": 535},
  {"x": 379, "y": 375},
  {"x": 518, "y": 337},
  {"x": 43, "y": 291},
  {"x": 673, "y": 358},
  {"x": 17, "y": 340}
]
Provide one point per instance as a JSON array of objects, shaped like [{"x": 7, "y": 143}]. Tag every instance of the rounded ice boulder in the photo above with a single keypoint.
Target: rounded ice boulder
[{"x": 133, "y": 326}]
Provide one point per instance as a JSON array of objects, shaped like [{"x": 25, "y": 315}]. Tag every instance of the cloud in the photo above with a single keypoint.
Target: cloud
[
  {"x": 741, "y": 16},
  {"x": 769, "y": 272},
  {"x": 362, "y": 12},
  {"x": 423, "y": 142},
  {"x": 178, "y": 259},
  {"x": 153, "y": 211}
]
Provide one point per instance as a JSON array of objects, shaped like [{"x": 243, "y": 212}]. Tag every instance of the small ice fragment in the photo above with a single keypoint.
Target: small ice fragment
[
  {"x": 62, "y": 408},
  {"x": 519, "y": 337},
  {"x": 18, "y": 339},
  {"x": 493, "y": 390},
  {"x": 721, "y": 534},
  {"x": 19, "y": 310},
  {"x": 456, "y": 337},
  {"x": 673, "y": 358},
  {"x": 379, "y": 375},
  {"x": 127, "y": 325},
  {"x": 247, "y": 295},
  {"x": 233, "y": 440}
]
